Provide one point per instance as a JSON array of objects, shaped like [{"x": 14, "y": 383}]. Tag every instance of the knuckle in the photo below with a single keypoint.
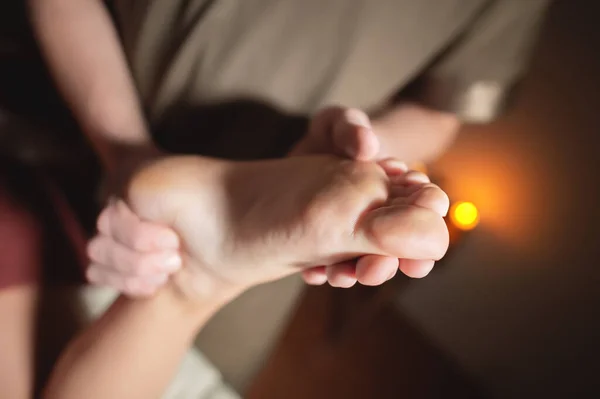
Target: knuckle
[
  {"x": 102, "y": 223},
  {"x": 138, "y": 239},
  {"x": 92, "y": 275},
  {"x": 93, "y": 249},
  {"x": 138, "y": 263},
  {"x": 131, "y": 286}
]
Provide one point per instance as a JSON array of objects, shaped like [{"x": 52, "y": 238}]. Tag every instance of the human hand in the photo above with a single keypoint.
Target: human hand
[{"x": 131, "y": 255}]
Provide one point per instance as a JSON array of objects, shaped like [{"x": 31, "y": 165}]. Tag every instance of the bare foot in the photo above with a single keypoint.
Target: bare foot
[
  {"x": 242, "y": 224},
  {"x": 137, "y": 256}
]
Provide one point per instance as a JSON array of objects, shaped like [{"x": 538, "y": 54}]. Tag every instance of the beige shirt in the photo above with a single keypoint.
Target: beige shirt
[{"x": 462, "y": 55}]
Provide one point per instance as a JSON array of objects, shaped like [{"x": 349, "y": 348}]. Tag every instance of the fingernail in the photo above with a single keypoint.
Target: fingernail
[
  {"x": 172, "y": 262},
  {"x": 417, "y": 177}
]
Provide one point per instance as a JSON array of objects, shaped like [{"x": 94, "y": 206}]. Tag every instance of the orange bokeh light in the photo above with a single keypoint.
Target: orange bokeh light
[{"x": 464, "y": 215}]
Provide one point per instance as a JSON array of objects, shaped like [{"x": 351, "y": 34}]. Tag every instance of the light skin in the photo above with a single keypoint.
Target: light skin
[
  {"x": 81, "y": 47},
  {"x": 144, "y": 245},
  {"x": 229, "y": 243},
  {"x": 17, "y": 337}
]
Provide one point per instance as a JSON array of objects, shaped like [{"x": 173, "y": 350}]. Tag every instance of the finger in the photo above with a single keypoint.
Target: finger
[
  {"x": 104, "y": 250},
  {"x": 315, "y": 275},
  {"x": 353, "y": 136},
  {"x": 120, "y": 223},
  {"x": 318, "y": 138},
  {"x": 416, "y": 268},
  {"x": 375, "y": 270},
  {"x": 131, "y": 286},
  {"x": 342, "y": 275}
]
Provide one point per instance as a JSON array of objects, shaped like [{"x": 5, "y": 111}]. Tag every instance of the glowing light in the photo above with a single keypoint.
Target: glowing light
[{"x": 464, "y": 215}]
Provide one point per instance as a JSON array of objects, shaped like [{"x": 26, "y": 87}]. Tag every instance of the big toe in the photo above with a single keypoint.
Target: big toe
[
  {"x": 406, "y": 231},
  {"x": 431, "y": 197},
  {"x": 428, "y": 196}
]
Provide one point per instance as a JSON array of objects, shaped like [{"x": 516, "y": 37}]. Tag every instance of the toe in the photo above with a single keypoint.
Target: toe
[
  {"x": 393, "y": 168},
  {"x": 375, "y": 270},
  {"x": 415, "y": 177},
  {"x": 315, "y": 275},
  {"x": 428, "y": 196},
  {"x": 431, "y": 197},
  {"x": 342, "y": 275},
  {"x": 406, "y": 232},
  {"x": 416, "y": 268}
]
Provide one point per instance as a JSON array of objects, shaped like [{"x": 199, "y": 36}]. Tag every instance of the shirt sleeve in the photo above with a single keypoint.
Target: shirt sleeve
[{"x": 475, "y": 74}]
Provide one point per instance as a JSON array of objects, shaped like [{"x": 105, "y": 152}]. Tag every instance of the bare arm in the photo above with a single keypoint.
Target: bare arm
[
  {"x": 17, "y": 338},
  {"x": 82, "y": 49},
  {"x": 133, "y": 350}
]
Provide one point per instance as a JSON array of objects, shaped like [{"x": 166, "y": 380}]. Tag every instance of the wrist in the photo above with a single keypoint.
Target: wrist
[
  {"x": 113, "y": 145},
  {"x": 129, "y": 156},
  {"x": 197, "y": 304},
  {"x": 197, "y": 287},
  {"x": 120, "y": 163}
]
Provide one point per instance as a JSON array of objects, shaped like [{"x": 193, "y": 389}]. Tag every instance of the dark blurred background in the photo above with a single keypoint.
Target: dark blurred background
[
  {"x": 513, "y": 312},
  {"x": 518, "y": 304}
]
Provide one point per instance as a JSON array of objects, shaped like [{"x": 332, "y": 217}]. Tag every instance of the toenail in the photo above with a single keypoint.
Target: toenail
[
  {"x": 343, "y": 282},
  {"x": 440, "y": 207},
  {"x": 417, "y": 177},
  {"x": 396, "y": 165}
]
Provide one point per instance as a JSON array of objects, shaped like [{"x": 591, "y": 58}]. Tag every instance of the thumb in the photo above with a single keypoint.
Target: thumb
[{"x": 353, "y": 136}]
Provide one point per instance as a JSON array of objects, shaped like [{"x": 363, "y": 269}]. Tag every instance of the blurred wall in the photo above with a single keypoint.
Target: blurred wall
[{"x": 518, "y": 304}]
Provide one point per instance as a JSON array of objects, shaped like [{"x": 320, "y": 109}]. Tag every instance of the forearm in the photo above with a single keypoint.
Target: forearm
[
  {"x": 82, "y": 49},
  {"x": 425, "y": 134},
  {"x": 133, "y": 350}
]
